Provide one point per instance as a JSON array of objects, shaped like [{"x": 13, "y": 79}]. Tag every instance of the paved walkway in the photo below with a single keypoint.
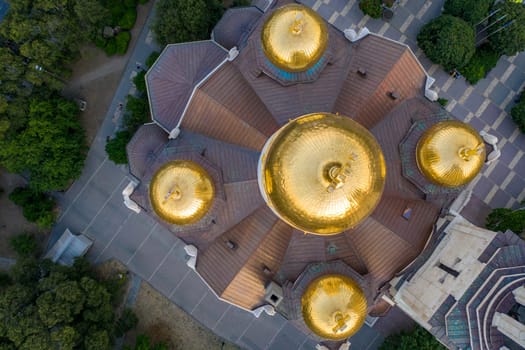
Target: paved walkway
[{"x": 93, "y": 205}]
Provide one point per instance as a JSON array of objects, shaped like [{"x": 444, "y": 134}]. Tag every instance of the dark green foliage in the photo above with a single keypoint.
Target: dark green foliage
[
  {"x": 185, "y": 20},
  {"x": 502, "y": 219},
  {"x": 240, "y": 3},
  {"x": 127, "y": 21},
  {"x": 24, "y": 244},
  {"x": 5, "y": 280},
  {"x": 122, "y": 41},
  {"x": 142, "y": 2},
  {"x": 110, "y": 47},
  {"x": 51, "y": 148},
  {"x": 371, "y": 7},
  {"x": 140, "y": 81},
  {"x": 511, "y": 38},
  {"x": 51, "y": 307},
  {"x": 37, "y": 207},
  {"x": 127, "y": 321},
  {"x": 472, "y": 11},
  {"x": 483, "y": 60},
  {"x": 137, "y": 113},
  {"x": 116, "y": 147},
  {"x": 152, "y": 58},
  {"x": 518, "y": 114},
  {"x": 143, "y": 342},
  {"x": 448, "y": 41},
  {"x": 442, "y": 101},
  {"x": 418, "y": 339}
]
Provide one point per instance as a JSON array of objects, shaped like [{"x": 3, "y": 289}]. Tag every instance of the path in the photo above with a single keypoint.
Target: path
[{"x": 93, "y": 205}]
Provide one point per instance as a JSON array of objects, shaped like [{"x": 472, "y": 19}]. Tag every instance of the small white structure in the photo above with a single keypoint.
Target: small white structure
[
  {"x": 68, "y": 247},
  {"x": 131, "y": 205}
]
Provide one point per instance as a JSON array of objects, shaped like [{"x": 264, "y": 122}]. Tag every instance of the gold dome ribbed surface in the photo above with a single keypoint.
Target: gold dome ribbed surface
[
  {"x": 322, "y": 173},
  {"x": 450, "y": 153},
  {"x": 294, "y": 37},
  {"x": 181, "y": 192},
  {"x": 334, "y": 307}
]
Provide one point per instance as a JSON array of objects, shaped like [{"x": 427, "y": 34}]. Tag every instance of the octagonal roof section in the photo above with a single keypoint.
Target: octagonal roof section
[
  {"x": 235, "y": 26},
  {"x": 171, "y": 80}
]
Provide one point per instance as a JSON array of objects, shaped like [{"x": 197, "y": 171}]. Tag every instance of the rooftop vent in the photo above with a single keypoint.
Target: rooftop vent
[
  {"x": 267, "y": 270},
  {"x": 231, "y": 244},
  {"x": 448, "y": 270},
  {"x": 393, "y": 95},
  {"x": 407, "y": 213},
  {"x": 362, "y": 72},
  {"x": 274, "y": 294}
]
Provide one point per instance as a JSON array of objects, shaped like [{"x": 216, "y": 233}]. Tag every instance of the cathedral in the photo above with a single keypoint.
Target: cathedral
[{"x": 311, "y": 173}]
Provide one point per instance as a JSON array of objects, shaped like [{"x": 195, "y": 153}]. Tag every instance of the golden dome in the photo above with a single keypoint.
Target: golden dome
[
  {"x": 294, "y": 37},
  {"x": 322, "y": 173},
  {"x": 334, "y": 307},
  {"x": 450, "y": 153},
  {"x": 181, "y": 192}
]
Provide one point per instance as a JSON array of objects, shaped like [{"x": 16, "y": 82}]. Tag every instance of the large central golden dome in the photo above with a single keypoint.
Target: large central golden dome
[
  {"x": 450, "y": 153},
  {"x": 322, "y": 173},
  {"x": 181, "y": 192},
  {"x": 294, "y": 37},
  {"x": 334, "y": 307}
]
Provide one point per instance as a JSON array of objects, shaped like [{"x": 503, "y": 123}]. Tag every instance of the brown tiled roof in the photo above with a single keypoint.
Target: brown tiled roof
[
  {"x": 289, "y": 102},
  {"x": 143, "y": 148},
  {"x": 226, "y": 108},
  {"x": 259, "y": 241},
  {"x": 390, "y": 67},
  {"x": 172, "y": 78},
  {"x": 235, "y": 26}
]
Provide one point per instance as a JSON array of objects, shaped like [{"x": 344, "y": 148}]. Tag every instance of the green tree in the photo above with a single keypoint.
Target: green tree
[
  {"x": 472, "y": 11},
  {"x": 518, "y": 114},
  {"x": 508, "y": 37},
  {"x": 418, "y": 339},
  {"x": 51, "y": 148},
  {"x": 143, "y": 342},
  {"x": 49, "y": 306},
  {"x": 116, "y": 147},
  {"x": 185, "y": 20},
  {"x": 140, "y": 81},
  {"x": 503, "y": 219},
  {"x": 24, "y": 244},
  {"x": 448, "y": 41},
  {"x": 37, "y": 207},
  {"x": 137, "y": 113}
]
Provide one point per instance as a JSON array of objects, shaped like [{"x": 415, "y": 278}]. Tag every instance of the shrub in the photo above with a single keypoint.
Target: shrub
[
  {"x": 126, "y": 322},
  {"x": 448, "y": 41},
  {"x": 503, "y": 219},
  {"x": 239, "y": 3},
  {"x": 483, "y": 60},
  {"x": 152, "y": 58},
  {"x": 127, "y": 21},
  {"x": 136, "y": 113},
  {"x": 122, "y": 41},
  {"x": 508, "y": 37},
  {"x": 116, "y": 147},
  {"x": 24, "y": 244},
  {"x": 36, "y": 206},
  {"x": 418, "y": 338},
  {"x": 518, "y": 114},
  {"x": 472, "y": 11},
  {"x": 371, "y": 7},
  {"x": 130, "y": 3},
  {"x": 142, "y": 2},
  {"x": 140, "y": 82},
  {"x": 111, "y": 47},
  {"x": 442, "y": 101}
]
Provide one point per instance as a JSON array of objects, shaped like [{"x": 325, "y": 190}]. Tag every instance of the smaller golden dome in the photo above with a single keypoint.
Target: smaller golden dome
[
  {"x": 450, "y": 153},
  {"x": 181, "y": 192},
  {"x": 334, "y": 307},
  {"x": 294, "y": 37}
]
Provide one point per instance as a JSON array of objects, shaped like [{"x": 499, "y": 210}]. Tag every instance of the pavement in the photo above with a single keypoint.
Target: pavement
[{"x": 94, "y": 205}]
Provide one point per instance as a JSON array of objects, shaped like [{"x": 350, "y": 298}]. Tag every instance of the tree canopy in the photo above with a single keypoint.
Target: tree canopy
[
  {"x": 50, "y": 148},
  {"x": 49, "y": 306},
  {"x": 185, "y": 20},
  {"x": 418, "y": 339},
  {"x": 448, "y": 41},
  {"x": 508, "y": 35},
  {"x": 472, "y": 11},
  {"x": 503, "y": 219}
]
